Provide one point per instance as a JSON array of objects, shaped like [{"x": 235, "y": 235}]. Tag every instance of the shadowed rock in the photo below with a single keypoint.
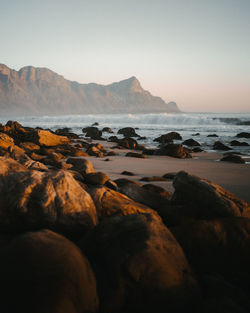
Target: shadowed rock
[
  {"x": 233, "y": 158},
  {"x": 45, "y": 272},
  {"x": 237, "y": 143},
  {"x": 220, "y": 146},
  {"x": 9, "y": 166},
  {"x": 191, "y": 143},
  {"x": 83, "y": 166},
  {"x": 92, "y": 132},
  {"x": 169, "y": 137},
  {"x": 128, "y": 132},
  {"x": 97, "y": 178},
  {"x": 140, "y": 267},
  {"x": 243, "y": 135},
  {"x": 204, "y": 199},
  {"x": 136, "y": 155}
]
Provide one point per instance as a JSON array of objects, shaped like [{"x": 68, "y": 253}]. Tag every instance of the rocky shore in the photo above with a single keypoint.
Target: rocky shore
[{"x": 76, "y": 238}]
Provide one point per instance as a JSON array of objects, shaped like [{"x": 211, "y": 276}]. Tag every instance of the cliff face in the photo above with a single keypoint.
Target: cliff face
[{"x": 41, "y": 91}]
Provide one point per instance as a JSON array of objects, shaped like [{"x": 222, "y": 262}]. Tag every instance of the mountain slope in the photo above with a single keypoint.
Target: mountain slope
[{"x": 41, "y": 91}]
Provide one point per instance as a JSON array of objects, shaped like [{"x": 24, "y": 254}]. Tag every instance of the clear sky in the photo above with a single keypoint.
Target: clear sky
[{"x": 194, "y": 52}]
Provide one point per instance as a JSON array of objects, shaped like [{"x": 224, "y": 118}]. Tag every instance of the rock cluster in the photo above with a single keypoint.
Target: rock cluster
[{"x": 74, "y": 241}]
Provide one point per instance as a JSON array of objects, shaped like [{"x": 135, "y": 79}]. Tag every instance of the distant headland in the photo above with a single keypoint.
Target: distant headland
[{"x": 34, "y": 90}]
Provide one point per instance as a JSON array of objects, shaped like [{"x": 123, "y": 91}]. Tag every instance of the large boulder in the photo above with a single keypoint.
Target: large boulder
[
  {"x": 128, "y": 132},
  {"x": 205, "y": 199},
  {"x": 9, "y": 166},
  {"x": 139, "y": 266},
  {"x": 44, "y": 272},
  {"x": 128, "y": 143},
  {"x": 45, "y": 138},
  {"x": 5, "y": 141},
  {"x": 237, "y": 143},
  {"x": 55, "y": 200},
  {"x": 109, "y": 202},
  {"x": 220, "y": 245},
  {"x": 174, "y": 150},
  {"x": 220, "y": 146}
]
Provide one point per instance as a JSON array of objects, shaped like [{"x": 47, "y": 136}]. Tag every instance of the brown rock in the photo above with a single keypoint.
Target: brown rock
[
  {"x": 169, "y": 137},
  {"x": 93, "y": 133},
  {"x": 128, "y": 143},
  {"x": 44, "y": 272},
  {"x": 174, "y": 150},
  {"x": 55, "y": 200},
  {"x": 9, "y": 166},
  {"x": 83, "y": 166},
  {"x": 128, "y": 132},
  {"x": 45, "y": 138},
  {"x": 157, "y": 189},
  {"x": 127, "y": 173},
  {"x": 136, "y": 155},
  {"x": 205, "y": 199},
  {"x": 140, "y": 266},
  {"x": 79, "y": 153},
  {"x": 5, "y": 141},
  {"x": 233, "y": 158},
  {"x": 97, "y": 178},
  {"x": 29, "y": 146},
  {"x": 109, "y": 203}
]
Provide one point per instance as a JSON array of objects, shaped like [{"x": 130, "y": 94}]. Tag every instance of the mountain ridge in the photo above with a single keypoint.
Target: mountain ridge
[{"x": 39, "y": 90}]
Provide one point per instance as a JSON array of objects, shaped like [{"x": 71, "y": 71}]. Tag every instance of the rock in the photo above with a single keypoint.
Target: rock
[
  {"x": 243, "y": 135},
  {"x": 128, "y": 143},
  {"x": 35, "y": 165},
  {"x": 6, "y": 141},
  {"x": 94, "y": 151},
  {"x": 83, "y": 166},
  {"x": 237, "y": 143},
  {"x": 79, "y": 153},
  {"x": 168, "y": 138},
  {"x": 36, "y": 157},
  {"x": 111, "y": 153},
  {"x": 9, "y": 166},
  {"x": 140, "y": 266},
  {"x": 207, "y": 244},
  {"x": 93, "y": 133},
  {"x": 33, "y": 200},
  {"x": 53, "y": 159},
  {"x": 107, "y": 130},
  {"x": 135, "y": 155},
  {"x": 45, "y": 272},
  {"x": 233, "y": 158},
  {"x": 191, "y": 143},
  {"x": 95, "y": 124},
  {"x": 212, "y": 135},
  {"x": 97, "y": 178},
  {"x": 206, "y": 200},
  {"x": 29, "y": 146},
  {"x": 196, "y": 134},
  {"x": 169, "y": 175},
  {"x": 127, "y": 173},
  {"x": 159, "y": 190},
  {"x": 220, "y": 146},
  {"x": 153, "y": 178},
  {"x": 66, "y": 132},
  {"x": 44, "y": 138},
  {"x": 113, "y": 139},
  {"x": 147, "y": 197},
  {"x": 111, "y": 203},
  {"x": 128, "y": 132},
  {"x": 111, "y": 185},
  {"x": 174, "y": 150}
]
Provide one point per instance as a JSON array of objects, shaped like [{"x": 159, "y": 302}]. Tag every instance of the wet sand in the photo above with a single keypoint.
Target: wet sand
[{"x": 232, "y": 177}]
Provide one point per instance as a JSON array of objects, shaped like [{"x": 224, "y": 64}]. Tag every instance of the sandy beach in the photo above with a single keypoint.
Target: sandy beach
[{"x": 232, "y": 177}]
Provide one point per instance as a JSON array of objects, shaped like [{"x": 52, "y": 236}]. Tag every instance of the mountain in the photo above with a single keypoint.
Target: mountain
[{"x": 34, "y": 90}]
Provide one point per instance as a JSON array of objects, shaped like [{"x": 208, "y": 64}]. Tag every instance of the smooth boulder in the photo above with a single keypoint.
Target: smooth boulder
[
  {"x": 174, "y": 150},
  {"x": 44, "y": 272},
  {"x": 140, "y": 267},
  {"x": 204, "y": 199}
]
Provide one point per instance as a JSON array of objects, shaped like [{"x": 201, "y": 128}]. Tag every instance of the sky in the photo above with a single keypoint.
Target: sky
[{"x": 193, "y": 52}]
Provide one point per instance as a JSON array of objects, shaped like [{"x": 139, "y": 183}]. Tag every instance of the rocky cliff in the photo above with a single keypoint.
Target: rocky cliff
[{"x": 41, "y": 91}]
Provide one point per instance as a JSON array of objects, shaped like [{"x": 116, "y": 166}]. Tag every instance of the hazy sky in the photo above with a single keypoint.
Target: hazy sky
[{"x": 194, "y": 52}]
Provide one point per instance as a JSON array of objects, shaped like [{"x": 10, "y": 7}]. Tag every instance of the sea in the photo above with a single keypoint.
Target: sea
[{"x": 189, "y": 125}]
